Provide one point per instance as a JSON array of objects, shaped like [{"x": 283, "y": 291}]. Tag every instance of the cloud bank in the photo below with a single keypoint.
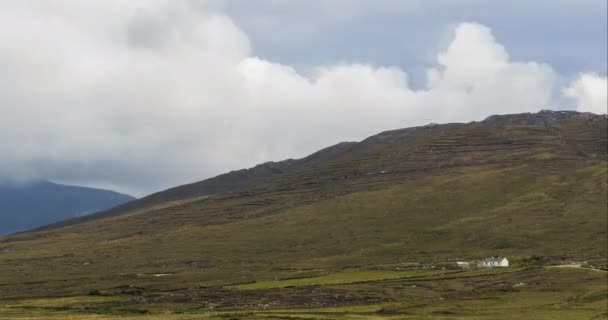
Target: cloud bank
[
  {"x": 143, "y": 95},
  {"x": 590, "y": 93}
]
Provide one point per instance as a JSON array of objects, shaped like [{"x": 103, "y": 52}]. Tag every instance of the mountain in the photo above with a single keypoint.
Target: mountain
[
  {"x": 373, "y": 225},
  {"x": 33, "y": 204},
  {"x": 245, "y": 177},
  {"x": 221, "y": 183}
]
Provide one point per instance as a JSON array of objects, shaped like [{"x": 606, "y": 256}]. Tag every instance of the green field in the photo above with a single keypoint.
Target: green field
[
  {"x": 528, "y": 293},
  {"x": 337, "y": 278}
]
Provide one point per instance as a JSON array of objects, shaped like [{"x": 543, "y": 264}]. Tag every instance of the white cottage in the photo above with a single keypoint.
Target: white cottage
[{"x": 494, "y": 262}]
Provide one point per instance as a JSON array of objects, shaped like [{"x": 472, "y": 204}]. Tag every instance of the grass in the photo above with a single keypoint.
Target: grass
[
  {"x": 338, "y": 278},
  {"x": 530, "y": 293}
]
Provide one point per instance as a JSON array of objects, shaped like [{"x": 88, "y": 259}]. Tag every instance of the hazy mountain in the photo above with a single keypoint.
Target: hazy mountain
[{"x": 29, "y": 205}]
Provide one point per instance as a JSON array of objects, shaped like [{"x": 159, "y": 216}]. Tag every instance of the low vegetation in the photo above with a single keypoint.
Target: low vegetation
[{"x": 526, "y": 293}]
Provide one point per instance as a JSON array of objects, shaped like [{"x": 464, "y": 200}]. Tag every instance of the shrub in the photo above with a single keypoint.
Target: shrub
[
  {"x": 503, "y": 244},
  {"x": 94, "y": 292}
]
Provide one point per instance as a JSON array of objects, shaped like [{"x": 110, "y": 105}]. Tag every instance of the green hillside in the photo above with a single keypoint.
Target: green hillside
[{"x": 358, "y": 231}]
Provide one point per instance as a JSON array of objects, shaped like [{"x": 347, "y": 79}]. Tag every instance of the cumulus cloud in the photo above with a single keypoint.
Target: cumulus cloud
[
  {"x": 143, "y": 95},
  {"x": 590, "y": 91}
]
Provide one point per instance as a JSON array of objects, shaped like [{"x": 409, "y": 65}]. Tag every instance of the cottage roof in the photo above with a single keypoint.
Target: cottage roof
[{"x": 493, "y": 259}]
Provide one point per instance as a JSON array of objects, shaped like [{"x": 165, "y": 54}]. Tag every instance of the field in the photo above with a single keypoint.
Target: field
[{"x": 510, "y": 293}]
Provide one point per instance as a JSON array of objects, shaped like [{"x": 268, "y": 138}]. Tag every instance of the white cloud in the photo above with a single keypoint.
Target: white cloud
[
  {"x": 150, "y": 94},
  {"x": 590, "y": 91}
]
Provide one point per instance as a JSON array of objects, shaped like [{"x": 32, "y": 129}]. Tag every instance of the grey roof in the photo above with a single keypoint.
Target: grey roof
[{"x": 493, "y": 259}]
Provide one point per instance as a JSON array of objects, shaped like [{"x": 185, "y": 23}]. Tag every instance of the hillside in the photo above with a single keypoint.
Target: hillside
[
  {"x": 221, "y": 183},
  {"x": 532, "y": 187},
  {"x": 29, "y": 205}
]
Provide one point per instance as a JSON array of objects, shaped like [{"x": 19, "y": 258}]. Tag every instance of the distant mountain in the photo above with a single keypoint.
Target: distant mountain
[{"x": 30, "y": 205}]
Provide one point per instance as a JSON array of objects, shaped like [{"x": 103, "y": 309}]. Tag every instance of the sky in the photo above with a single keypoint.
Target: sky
[{"x": 142, "y": 95}]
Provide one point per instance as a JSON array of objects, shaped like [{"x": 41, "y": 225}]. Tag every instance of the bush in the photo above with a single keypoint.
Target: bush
[
  {"x": 94, "y": 292},
  {"x": 503, "y": 244},
  {"x": 533, "y": 260}
]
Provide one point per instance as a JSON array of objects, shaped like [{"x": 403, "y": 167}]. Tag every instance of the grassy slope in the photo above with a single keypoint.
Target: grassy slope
[
  {"x": 534, "y": 293},
  {"x": 444, "y": 194}
]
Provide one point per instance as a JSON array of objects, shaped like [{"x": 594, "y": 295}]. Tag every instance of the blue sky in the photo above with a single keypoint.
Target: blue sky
[
  {"x": 568, "y": 35},
  {"x": 143, "y": 95}
]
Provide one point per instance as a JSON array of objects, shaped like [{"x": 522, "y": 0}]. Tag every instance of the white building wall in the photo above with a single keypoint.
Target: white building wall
[{"x": 501, "y": 263}]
